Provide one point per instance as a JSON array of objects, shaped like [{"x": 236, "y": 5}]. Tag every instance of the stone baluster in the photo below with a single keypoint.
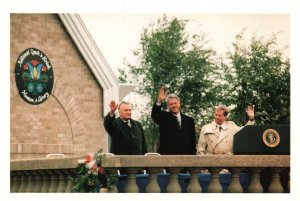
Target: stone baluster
[
  {"x": 38, "y": 181},
  {"x": 31, "y": 181},
  {"x": 173, "y": 185},
  {"x": 70, "y": 183},
  {"x": 113, "y": 188},
  {"x": 289, "y": 183},
  {"x": 255, "y": 185},
  {"x": 12, "y": 181},
  {"x": 131, "y": 186},
  {"x": 63, "y": 181},
  {"x": 235, "y": 185},
  {"x": 275, "y": 185},
  {"x": 194, "y": 186},
  {"x": 46, "y": 181},
  {"x": 153, "y": 186},
  {"x": 24, "y": 183},
  {"x": 17, "y": 182},
  {"x": 19, "y": 179},
  {"x": 54, "y": 181},
  {"x": 214, "y": 185}
]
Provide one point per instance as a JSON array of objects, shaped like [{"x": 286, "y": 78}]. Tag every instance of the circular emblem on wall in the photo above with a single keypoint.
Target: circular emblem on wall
[
  {"x": 34, "y": 76},
  {"x": 271, "y": 138}
]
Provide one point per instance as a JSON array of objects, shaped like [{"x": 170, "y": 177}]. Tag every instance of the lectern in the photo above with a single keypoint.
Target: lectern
[{"x": 262, "y": 140}]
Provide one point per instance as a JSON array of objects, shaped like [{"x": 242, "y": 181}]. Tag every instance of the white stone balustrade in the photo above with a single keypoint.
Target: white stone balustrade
[{"x": 53, "y": 174}]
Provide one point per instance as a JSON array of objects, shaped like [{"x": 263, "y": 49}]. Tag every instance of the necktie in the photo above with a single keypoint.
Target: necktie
[
  {"x": 128, "y": 123},
  {"x": 178, "y": 122}
]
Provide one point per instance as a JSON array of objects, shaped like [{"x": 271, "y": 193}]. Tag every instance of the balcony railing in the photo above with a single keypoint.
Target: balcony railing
[{"x": 54, "y": 174}]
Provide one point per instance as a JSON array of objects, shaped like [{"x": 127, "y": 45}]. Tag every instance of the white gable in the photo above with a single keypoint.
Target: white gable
[{"x": 112, "y": 89}]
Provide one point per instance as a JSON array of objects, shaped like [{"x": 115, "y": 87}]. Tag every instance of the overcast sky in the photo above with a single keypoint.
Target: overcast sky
[{"x": 117, "y": 35}]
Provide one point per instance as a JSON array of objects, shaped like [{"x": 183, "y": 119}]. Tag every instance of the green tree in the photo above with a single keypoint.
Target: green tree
[
  {"x": 171, "y": 57},
  {"x": 254, "y": 73},
  {"x": 259, "y": 75}
]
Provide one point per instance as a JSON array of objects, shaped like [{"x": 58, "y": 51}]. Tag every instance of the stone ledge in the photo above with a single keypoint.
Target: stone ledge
[
  {"x": 45, "y": 163},
  {"x": 199, "y": 161},
  {"x": 158, "y": 161}
]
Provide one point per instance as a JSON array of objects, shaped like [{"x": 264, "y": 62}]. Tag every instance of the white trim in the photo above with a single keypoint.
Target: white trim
[{"x": 112, "y": 89}]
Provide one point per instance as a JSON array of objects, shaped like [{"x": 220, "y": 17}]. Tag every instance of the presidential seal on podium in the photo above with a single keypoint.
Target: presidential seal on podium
[{"x": 271, "y": 138}]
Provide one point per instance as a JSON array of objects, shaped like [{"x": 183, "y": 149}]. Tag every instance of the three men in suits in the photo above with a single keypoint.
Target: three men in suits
[{"x": 177, "y": 131}]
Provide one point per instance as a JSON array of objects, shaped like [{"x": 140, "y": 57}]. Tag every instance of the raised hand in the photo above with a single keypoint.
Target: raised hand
[
  {"x": 162, "y": 94},
  {"x": 113, "y": 106},
  {"x": 250, "y": 112}
]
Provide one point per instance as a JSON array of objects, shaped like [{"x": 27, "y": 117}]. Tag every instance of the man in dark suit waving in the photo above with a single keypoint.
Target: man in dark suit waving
[
  {"x": 127, "y": 135},
  {"x": 177, "y": 131}
]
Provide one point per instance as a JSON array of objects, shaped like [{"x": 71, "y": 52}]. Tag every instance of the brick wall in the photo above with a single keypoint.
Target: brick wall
[{"x": 70, "y": 121}]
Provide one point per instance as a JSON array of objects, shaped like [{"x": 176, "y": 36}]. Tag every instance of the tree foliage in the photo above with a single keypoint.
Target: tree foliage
[
  {"x": 170, "y": 57},
  {"x": 259, "y": 75},
  {"x": 250, "y": 74}
]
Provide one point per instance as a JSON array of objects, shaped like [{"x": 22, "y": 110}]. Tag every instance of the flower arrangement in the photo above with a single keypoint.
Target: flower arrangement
[{"x": 92, "y": 176}]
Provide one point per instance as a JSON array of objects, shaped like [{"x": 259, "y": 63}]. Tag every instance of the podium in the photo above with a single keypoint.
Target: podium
[{"x": 262, "y": 140}]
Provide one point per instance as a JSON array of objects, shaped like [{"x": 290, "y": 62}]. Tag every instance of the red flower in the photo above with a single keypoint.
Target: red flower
[
  {"x": 25, "y": 67},
  {"x": 44, "y": 68},
  {"x": 89, "y": 158},
  {"x": 100, "y": 170},
  {"x": 94, "y": 167}
]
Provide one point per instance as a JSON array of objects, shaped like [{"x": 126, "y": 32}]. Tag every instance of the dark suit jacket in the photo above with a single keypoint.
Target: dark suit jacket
[
  {"x": 125, "y": 140},
  {"x": 174, "y": 141}
]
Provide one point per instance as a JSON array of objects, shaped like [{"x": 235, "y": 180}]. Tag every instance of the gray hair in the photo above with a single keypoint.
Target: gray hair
[
  {"x": 170, "y": 96},
  {"x": 123, "y": 103},
  {"x": 224, "y": 108}
]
